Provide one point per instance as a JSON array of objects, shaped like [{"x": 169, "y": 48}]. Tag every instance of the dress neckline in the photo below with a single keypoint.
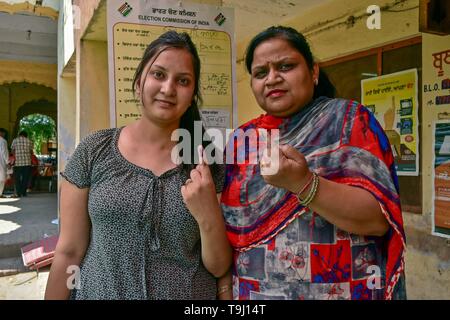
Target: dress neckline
[{"x": 135, "y": 167}]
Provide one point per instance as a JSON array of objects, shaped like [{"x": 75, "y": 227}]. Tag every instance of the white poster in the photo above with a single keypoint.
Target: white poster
[
  {"x": 133, "y": 24},
  {"x": 441, "y": 179}
]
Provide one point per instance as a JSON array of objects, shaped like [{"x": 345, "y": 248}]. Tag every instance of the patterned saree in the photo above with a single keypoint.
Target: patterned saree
[{"x": 282, "y": 250}]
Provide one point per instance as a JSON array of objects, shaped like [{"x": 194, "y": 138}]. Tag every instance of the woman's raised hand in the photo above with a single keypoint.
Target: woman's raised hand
[
  {"x": 290, "y": 171},
  {"x": 199, "y": 192}
]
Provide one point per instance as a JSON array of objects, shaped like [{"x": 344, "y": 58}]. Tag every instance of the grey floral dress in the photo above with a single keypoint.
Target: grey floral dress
[{"x": 144, "y": 242}]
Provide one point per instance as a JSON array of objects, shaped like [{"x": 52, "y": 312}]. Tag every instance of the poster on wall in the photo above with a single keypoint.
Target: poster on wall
[
  {"x": 133, "y": 24},
  {"x": 441, "y": 179},
  {"x": 436, "y": 79},
  {"x": 393, "y": 100}
]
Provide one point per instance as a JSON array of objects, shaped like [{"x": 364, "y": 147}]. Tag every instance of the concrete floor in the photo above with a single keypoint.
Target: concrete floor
[
  {"x": 23, "y": 221},
  {"x": 24, "y": 286}
]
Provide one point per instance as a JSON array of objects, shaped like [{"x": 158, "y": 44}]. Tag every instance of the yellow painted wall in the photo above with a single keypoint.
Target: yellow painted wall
[
  {"x": 15, "y": 95},
  {"x": 329, "y": 37},
  {"x": 25, "y": 6},
  {"x": 4, "y": 108},
  {"x": 82, "y": 94},
  {"x": 93, "y": 84},
  {"x": 25, "y": 92},
  {"x": 21, "y": 82},
  {"x": 66, "y": 119},
  {"x": 87, "y": 10},
  {"x": 31, "y": 72}
]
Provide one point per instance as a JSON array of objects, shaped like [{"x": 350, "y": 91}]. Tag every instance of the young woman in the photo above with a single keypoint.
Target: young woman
[
  {"x": 328, "y": 223},
  {"x": 138, "y": 225}
]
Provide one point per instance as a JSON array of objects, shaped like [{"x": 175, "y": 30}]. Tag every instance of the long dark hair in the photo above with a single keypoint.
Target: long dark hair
[
  {"x": 298, "y": 42},
  {"x": 173, "y": 39}
]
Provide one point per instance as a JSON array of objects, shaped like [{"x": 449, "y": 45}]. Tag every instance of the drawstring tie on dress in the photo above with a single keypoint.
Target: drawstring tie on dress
[{"x": 157, "y": 201}]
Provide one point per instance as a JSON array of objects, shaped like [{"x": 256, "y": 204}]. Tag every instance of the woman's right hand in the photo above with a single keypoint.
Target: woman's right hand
[
  {"x": 290, "y": 171},
  {"x": 199, "y": 194}
]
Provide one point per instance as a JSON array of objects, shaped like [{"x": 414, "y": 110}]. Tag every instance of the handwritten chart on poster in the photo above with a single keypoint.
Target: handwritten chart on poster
[
  {"x": 134, "y": 24},
  {"x": 441, "y": 179},
  {"x": 393, "y": 100}
]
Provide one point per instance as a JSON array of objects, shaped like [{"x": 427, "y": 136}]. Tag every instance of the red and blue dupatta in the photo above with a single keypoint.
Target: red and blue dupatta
[{"x": 342, "y": 142}]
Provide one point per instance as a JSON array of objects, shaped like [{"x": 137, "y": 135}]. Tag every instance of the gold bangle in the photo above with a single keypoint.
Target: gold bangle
[
  {"x": 306, "y": 185},
  {"x": 223, "y": 289},
  {"x": 312, "y": 192}
]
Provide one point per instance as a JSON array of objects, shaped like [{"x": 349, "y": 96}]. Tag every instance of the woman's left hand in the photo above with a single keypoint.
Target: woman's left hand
[
  {"x": 291, "y": 172},
  {"x": 199, "y": 194}
]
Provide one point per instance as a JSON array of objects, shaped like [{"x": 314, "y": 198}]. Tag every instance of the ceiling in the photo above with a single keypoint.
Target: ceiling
[
  {"x": 26, "y": 32},
  {"x": 28, "y": 38}
]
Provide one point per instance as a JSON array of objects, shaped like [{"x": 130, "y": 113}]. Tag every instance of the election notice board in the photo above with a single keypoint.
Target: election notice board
[
  {"x": 133, "y": 24},
  {"x": 393, "y": 100}
]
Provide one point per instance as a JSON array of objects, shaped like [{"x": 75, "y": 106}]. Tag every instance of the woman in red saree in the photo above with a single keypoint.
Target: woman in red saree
[{"x": 327, "y": 224}]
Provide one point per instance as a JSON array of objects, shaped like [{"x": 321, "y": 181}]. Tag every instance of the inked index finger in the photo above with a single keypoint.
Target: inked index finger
[{"x": 200, "y": 154}]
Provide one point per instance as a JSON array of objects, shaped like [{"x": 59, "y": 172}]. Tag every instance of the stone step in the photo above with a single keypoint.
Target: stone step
[
  {"x": 12, "y": 266},
  {"x": 11, "y": 250}
]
